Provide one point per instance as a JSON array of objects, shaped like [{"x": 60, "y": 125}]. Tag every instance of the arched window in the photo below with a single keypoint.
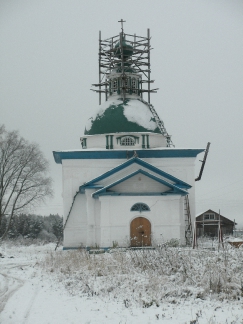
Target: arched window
[
  {"x": 141, "y": 207},
  {"x": 127, "y": 141}
]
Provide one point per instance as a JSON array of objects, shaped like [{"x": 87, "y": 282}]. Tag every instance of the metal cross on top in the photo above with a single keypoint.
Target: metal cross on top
[{"x": 122, "y": 21}]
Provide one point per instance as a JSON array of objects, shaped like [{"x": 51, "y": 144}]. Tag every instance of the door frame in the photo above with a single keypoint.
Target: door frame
[{"x": 148, "y": 219}]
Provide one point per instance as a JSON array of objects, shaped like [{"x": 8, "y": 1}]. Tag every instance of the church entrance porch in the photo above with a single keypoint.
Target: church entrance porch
[{"x": 140, "y": 232}]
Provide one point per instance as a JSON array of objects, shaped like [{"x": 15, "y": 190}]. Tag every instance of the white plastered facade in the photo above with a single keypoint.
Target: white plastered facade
[{"x": 105, "y": 221}]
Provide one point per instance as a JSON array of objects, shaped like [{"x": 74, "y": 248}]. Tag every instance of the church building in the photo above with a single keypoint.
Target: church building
[{"x": 127, "y": 185}]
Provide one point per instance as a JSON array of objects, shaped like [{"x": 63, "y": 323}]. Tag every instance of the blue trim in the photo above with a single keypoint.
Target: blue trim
[
  {"x": 116, "y": 154},
  {"x": 91, "y": 186},
  {"x": 57, "y": 157},
  {"x": 72, "y": 248},
  {"x": 140, "y": 162},
  {"x": 87, "y": 248},
  {"x": 174, "y": 188},
  {"x": 107, "y": 249},
  {"x": 167, "y": 193},
  {"x": 94, "y": 186}
]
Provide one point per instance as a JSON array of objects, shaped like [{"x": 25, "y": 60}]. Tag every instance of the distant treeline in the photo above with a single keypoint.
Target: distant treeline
[{"x": 46, "y": 228}]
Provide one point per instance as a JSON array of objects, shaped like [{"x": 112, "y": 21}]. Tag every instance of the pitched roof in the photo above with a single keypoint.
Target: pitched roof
[
  {"x": 131, "y": 167},
  {"x": 172, "y": 189},
  {"x": 210, "y": 211}
]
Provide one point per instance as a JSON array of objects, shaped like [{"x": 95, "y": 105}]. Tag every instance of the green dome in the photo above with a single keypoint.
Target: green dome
[
  {"x": 116, "y": 116},
  {"x": 127, "y": 50}
]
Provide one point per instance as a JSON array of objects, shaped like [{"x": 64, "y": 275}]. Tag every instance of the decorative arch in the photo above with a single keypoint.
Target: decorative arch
[{"x": 141, "y": 207}]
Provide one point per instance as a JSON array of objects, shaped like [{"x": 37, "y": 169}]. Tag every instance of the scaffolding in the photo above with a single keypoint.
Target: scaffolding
[
  {"x": 127, "y": 53},
  {"x": 112, "y": 53}
]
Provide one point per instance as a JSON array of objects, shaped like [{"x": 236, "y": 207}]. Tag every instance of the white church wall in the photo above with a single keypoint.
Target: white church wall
[
  {"x": 117, "y": 216},
  {"x": 96, "y": 141},
  {"x": 167, "y": 219},
  {"x": 97, "y": 220},
  {"x": 90, "y": 207},
  {"x": 157, "y": 141},
  {"x": 105, "y": 223},
  {"x": 77, "y": 172},
  {"x": 76, "y": 229},
  {"x": 182, "y": 168},
  {"x": 99, "y": 141}
]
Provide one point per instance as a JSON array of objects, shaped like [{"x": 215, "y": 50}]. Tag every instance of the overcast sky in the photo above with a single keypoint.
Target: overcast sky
[{"x": 49, "y": 59}]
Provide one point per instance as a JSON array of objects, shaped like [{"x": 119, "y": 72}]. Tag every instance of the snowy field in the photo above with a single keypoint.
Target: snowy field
[{"x": 167, "y": 285}]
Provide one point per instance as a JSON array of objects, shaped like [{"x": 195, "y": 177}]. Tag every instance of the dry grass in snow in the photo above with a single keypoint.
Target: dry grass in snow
[{"x": 146, "y": 278}]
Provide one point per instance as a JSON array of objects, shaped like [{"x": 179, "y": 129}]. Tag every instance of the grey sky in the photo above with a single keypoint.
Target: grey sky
[{"x": 48, "y": 61}]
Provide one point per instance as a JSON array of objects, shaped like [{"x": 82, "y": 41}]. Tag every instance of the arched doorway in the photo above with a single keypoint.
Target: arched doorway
[{"x": 140, "y": 232}]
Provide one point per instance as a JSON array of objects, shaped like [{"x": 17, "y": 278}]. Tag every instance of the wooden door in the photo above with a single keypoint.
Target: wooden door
[{"x": 140, "y": 232}]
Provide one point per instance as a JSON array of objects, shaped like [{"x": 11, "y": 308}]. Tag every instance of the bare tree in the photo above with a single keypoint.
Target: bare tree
[{"x": 24, "y": 180}]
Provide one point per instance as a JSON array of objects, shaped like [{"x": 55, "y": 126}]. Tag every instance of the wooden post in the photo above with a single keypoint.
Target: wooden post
[
  {"x": 194, "y": 241},
  {"x": 203, "y": 225},
  {"x": 220, "y": 236}
]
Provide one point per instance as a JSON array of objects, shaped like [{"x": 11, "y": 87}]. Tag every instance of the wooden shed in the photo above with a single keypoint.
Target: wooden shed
[{"x": 207, "y": 223}]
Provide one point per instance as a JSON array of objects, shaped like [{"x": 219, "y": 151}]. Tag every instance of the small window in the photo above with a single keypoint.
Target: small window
[
  {"x": 114, "y": 85},
  {"x": 84, "y": 143},
  {"x": 126, "y": 85},
  {"x": 209, "y": 216},
  {"x": 140, "y": 207},
  {"x": 134, "y": 86},
  {"x": 127, "y": 141}
]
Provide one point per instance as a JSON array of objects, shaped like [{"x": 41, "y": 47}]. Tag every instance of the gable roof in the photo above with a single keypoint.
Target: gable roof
[
  {"x": 168, "y": 178},
  {"x": 210, "y": 211},
  {"x": 173, "y": 189}
]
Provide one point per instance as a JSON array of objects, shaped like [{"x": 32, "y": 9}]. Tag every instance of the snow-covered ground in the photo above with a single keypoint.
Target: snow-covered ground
[{"x": 169, "y": 285}]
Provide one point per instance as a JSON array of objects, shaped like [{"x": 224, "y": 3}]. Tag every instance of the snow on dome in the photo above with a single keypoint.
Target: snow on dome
[
  {"x": 115, "y": 116},
  {"x": 137, "y": 112},
  {"x": 101, "y": 110}
]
